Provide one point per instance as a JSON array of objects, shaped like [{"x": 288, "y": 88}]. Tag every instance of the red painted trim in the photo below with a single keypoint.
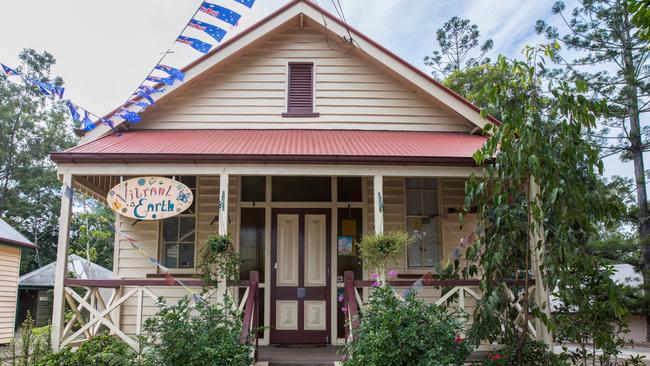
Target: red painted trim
[
  {"x": 63, "y": 157},
  {"x": 251, "y": 304},
  {"x": 17, "y": 243},
  {"x": 336, "y": 20}
]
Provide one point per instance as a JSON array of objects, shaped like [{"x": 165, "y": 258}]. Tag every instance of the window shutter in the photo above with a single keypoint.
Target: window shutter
[{"x": 300, "y": 99}]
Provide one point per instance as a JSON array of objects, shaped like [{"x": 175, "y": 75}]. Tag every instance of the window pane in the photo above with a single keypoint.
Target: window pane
[
  {"x": 429, "y": 183},
  {"x": 429, "y": 230},
  {"x": 415, "y": 255},
  {"x": 430, "y": 203},
  {"x": 413, "y": 183},
  {"x": 171, "y": 255},
  {"x": 188, "y": 180},
  {"x": 430, "y": 255},
  {"x": 414, "y": 202},
  {"x": 186, "y": 256},
  {"x": 187, "y": 228},
  {"x": 251, "y": 242},
  {"x": 348, "y": 189},
  {"x": 170, "y": 229},
  {"x": 253, "y": 189},
  {"x": 301, "y": 189}
]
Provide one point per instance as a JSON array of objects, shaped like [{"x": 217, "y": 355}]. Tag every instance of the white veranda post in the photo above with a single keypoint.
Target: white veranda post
[
  {"x": 536, "y": 246},
  {"x": 378, "y": 199},
  {"x": 223, "y": 218},
  {"x": 58, "y": 311}
]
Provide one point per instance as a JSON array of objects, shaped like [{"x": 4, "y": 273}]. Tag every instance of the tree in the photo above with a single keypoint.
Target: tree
[
  {"x": 472, "y": 81},
  {"x": 31, "y": 126},
  {"x": 603, "y": 33},
  {"x": 539, "y": 201},
  {"x": 93, "y": 232},
  {"x": 458, "y": 40}
]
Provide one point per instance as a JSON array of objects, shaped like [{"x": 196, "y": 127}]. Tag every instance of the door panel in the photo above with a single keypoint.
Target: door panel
[
  {"x": 315, "y": 251},
  {"x": 287, "y": 262},
  {"x": 300, "y": 293}
]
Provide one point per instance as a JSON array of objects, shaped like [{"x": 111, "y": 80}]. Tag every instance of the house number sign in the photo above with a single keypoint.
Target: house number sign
[{"x": 150, "y": 198}]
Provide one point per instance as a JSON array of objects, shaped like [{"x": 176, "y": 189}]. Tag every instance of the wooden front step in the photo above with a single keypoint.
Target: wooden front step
[{"x": 277, "y": 355}]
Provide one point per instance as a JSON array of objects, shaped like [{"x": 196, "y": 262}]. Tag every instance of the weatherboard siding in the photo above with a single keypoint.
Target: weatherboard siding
[
  {"x": 9, "y": 270},
  {"x": 350, "y": 93},
  {"x": 130, "y": 263}
]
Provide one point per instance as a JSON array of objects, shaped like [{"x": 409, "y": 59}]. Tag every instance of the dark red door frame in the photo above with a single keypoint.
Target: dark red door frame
[{"x": 301, "y": 336}]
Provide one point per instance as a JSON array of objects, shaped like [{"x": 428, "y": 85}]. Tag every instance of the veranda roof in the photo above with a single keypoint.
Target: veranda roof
[
  {"x": 11, "y": 236},
  {"x": 299, "y": 146},
  {"x": 80, "y": 268}
]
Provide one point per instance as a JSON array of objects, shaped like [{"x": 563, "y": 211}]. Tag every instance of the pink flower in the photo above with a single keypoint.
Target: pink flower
[
  {"x": 344, "y": 309},
  {"x": 374, "y": 276},
  {"x": 340, "y": 298},
  {"x": 376, "y": 284},
  {"x": 392, "y": 273}
]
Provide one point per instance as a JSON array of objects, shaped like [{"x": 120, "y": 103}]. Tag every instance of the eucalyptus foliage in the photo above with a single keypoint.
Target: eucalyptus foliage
[{"x": 541, "y": 139}]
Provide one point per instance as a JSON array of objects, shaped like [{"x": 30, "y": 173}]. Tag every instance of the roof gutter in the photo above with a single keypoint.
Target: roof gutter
[{"x": 74, "y": 158}]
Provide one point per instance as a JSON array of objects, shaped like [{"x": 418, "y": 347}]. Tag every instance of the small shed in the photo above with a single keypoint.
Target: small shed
[
  {"x": 11, "y": 244},
  {"x": 35, "y": 288}
]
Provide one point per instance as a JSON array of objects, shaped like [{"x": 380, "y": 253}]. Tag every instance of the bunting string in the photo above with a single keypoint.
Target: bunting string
[
  {"x": 169, "y": 278},
  {"x": 142, "y": 98}
]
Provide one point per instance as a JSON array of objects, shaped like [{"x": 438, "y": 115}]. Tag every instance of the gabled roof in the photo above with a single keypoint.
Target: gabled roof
[
  {"x": 328, "y": 23},
  {"x": 11, "y": 236},
  {"x": 81, "y": 268}
]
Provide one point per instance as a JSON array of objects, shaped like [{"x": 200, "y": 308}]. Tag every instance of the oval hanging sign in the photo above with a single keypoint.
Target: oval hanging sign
[{"x": 150, "y": 198}]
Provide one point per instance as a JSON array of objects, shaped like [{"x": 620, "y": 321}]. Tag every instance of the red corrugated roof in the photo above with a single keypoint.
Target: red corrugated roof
[{"x": 277, "y": 145}]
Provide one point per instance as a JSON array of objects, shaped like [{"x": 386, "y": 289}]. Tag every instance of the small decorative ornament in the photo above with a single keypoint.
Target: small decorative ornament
[{"x": 150, "y": 198}]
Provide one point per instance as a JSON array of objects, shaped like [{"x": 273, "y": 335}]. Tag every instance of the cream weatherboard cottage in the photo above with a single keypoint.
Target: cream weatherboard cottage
[{"x": 296, "y": 136}]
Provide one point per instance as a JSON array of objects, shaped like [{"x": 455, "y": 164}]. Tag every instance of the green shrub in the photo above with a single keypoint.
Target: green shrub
[
  {"x": 203, "y": 334},
  {"x": 410, "y": 332},
  {"x": 534, "y": 353},
  {"x": 102, "y": 350}
]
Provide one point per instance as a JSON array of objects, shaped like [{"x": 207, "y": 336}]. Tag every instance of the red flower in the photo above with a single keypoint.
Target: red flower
[
  {"x": 458, "y": 340},
  {"x": 494, "y": 356}
]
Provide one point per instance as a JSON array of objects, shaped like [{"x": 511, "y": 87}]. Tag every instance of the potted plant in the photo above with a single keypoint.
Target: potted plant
[{"x": 380, "y": 250}]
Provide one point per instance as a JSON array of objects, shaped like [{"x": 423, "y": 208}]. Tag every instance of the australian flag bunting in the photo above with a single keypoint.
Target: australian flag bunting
[
  {"x": 73, "y": 111},
  {"x": 145, "y": 95},
  {"x": 248, "y": 3},
  {"x": 214, "y": 31},
  {"x": 87, "y": 124},
  {"x": 149, "y": 90},
  {"x": 142, "y": 105},
  {"x": 195, "y": 43},
  {"x": 158, "y": 79},
  {"x": 8, "y": 70},
  {"x": 172, "y": 71},
  {"x": 219, "y": 12},
  {"x": 107, "y": 122},
  {"x": 129, "y": 115}
]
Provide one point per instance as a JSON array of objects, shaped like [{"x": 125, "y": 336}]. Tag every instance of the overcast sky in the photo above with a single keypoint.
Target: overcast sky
[{"x": 104, "y": 49}]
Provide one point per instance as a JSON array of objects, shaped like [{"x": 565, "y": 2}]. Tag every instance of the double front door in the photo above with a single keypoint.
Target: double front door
[{"x": 300, "y": 276}]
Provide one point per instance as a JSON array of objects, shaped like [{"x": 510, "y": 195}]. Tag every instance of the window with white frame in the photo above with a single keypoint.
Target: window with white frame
[
  {"x": 178, "y": 234},
  {"x": 423, "y": 222}
]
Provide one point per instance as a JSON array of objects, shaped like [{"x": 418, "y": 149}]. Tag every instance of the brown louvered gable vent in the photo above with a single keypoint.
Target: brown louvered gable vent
[{"x": 300, "y": 98}]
